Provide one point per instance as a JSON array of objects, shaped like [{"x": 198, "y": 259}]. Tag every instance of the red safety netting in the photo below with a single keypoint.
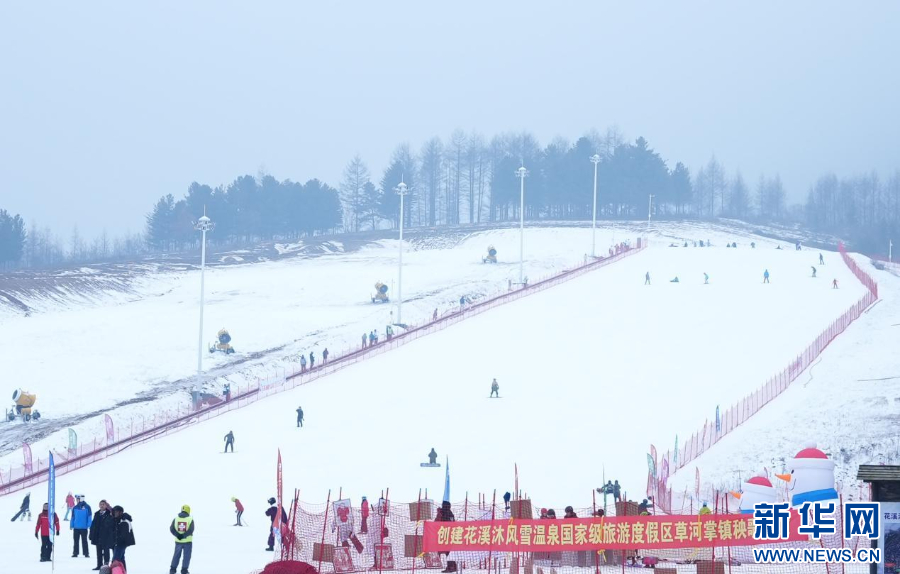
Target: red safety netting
[
  {"x": 711, "y": 432},
  {"x": 389, "y": 538}
]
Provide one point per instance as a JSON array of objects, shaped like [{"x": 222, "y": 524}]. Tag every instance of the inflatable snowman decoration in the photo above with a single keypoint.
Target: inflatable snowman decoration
[
  {"x": 810, "y": 477},
  {"x": 756, "y": 490}
]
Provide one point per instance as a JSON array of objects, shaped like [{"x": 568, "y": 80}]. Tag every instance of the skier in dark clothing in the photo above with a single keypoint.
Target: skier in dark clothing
[
  {"x": 432, "y": 457},
  {"x": 229, "y": 441},
  {"x": 44, "y": 526},
  {"x": 271, "y": 512},
  {"x": 24, "y": 509},
  {"x": 325, "y": 356},
  {"x": 445, "y": 514},
  {"x": 813, "y": 270},
  {"x": 124, "y": 534},
  {"x": 821, "y": 259},
  {"x": 312, "y": 360},
  {"x": 103, "y": 533},
  {"x": 506, "y": 498},
  {"x": 495, "y": 389},
  {"x": 299, "y": 417},
  {"x": 647, "y": 278},
  {"x": 80, "y": 524}
]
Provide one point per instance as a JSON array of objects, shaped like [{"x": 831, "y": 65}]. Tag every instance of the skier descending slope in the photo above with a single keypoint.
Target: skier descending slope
[
  {"x": 495, "y": 389},
  {"x": 229, "y": 441}
]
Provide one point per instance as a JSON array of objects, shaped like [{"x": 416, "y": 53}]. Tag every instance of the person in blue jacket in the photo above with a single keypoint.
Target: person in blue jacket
[
  {"x": 82, "y": 516},
  {"x": 766, "y": 276}
]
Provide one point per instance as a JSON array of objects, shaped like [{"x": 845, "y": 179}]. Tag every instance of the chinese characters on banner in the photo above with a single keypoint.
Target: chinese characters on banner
[
  {"x": 614, "y": 533},
  {"x": 110, "y": 431}
]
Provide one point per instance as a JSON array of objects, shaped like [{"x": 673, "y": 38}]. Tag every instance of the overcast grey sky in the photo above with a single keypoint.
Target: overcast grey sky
[{"x": 105, "y": 106}]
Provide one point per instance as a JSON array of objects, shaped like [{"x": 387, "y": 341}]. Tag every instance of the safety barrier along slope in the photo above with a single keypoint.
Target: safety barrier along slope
[{"x": 743, "y": 410}]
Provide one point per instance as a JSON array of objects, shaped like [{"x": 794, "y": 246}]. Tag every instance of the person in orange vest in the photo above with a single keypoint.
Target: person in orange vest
[{"x": 43, "y": 526}]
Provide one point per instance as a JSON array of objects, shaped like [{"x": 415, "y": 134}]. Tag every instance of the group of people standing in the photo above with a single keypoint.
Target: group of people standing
[
  {"x": 109, "y": 530},
  {"x": 312, "y": 360}
]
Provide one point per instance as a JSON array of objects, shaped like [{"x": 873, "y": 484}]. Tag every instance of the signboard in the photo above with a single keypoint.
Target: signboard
[
  {"x": 889, "y": 538},
  {"x": 614, "y": 533},
  {"x": 384, "y": 557},
  {"x": 342, "y": 562}
]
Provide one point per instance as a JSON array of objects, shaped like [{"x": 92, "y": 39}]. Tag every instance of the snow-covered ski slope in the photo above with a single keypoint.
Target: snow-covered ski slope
[
  {"x": 847, "y": 402},
  {"x": 83, "y": 356},
  {"x": 590, "y": 373}
]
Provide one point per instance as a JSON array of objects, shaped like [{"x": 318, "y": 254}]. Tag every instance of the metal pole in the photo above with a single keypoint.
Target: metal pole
[
  {"x": 890, "y": 251},
  {"x": 596, "y": 160},
  {"x": 400, "y": 271},
  {"x": 522, "y": 172},
  {"x": 401, "y": 191},
  {"x": 202, "y": 296}
]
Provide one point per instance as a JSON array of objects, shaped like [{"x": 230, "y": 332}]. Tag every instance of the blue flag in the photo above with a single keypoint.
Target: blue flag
[
  {"x": 51, "y": 497},
  {"x": 447, "y": 482}
]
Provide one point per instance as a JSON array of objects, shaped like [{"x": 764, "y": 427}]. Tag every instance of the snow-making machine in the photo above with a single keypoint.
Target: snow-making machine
[
  {"x": 380, "y": 293},
  {"x": 23, "y": 406},
  {"x": 491, "y": 256},
  {"x": 224, "y": 343}
]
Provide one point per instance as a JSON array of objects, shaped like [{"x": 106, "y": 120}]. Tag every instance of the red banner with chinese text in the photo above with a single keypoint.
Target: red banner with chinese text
[{"x": 614, "y": 533}]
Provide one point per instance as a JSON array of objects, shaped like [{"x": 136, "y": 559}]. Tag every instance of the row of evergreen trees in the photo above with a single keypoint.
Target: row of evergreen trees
[
  {"x": 467, "y": 179},
  {"x": 246, "y": 210},
  {"x": 12, "y": 238},
  {"x": 863, "y": 209}
]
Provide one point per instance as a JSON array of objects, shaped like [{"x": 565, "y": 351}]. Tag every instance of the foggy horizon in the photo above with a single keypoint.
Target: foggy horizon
[{"x": 109, "y": 107}]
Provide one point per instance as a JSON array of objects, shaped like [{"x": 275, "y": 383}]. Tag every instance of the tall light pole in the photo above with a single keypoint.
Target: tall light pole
[
  {"x": 890, "y": 250},
  {"x": 595, "y": 159},
  {"x": 649, "y": 210},
  {"x": 521, "y": 173},
  {"x": 401, "y": 190},
  {"x": 203, "y": 225}
]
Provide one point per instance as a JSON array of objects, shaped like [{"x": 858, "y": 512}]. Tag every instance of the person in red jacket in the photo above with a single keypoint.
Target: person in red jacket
[
  {"x": 364, "y": 512},
  {"x": 43, "y": 526},
  {"x": 70, "y": 504},
  {"x": 238, "y": 509}
]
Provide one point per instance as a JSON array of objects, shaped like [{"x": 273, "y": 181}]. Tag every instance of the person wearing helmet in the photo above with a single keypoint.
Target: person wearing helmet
[
  {"x": 238, "y": 509},
  {"x": 182, "y": 528},
  {"x": 271, "y": 513}
]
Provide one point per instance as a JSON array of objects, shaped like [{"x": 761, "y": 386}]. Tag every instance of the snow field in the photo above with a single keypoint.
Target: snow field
[
  {"x": 847, "y": 402},
  {"x": 591, "y": 372}
]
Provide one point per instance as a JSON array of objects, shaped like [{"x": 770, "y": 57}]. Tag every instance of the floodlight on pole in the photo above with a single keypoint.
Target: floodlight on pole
[
  {"x": 595, "y": 159},
  {"x": 202, "y": 225},
  {"x": 402, "y": 189},
  {"x": 521, "y": 173}
]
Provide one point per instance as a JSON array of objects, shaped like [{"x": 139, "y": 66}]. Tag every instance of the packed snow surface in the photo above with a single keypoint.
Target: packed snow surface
[{"x": 591, "y": 372}]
